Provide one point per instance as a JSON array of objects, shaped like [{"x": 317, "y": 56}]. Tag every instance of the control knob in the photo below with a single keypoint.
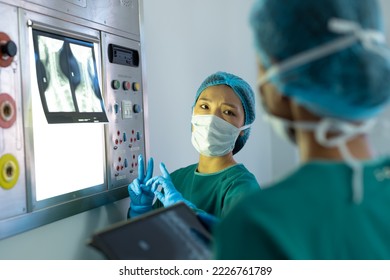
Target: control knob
[
  {"x": 9, "y": 49},
  {"x": 136, "y": 108}
]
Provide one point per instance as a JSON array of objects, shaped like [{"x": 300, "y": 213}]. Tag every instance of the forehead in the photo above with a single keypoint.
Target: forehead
[{"x": 221, "y": 94}]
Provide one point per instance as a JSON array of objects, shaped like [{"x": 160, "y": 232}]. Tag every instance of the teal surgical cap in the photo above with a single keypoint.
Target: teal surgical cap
[
  {"x": 243, "y": 91},
  {"x": 351, "y": 83}
]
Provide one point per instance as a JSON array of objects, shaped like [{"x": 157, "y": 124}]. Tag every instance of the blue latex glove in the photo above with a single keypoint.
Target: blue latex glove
[
  {"x": 170, "y": 195},
  {"x": 141, "y": 196}
]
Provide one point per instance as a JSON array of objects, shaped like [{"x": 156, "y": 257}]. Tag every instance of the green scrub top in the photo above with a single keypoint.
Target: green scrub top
[
  {"x": 310, "y": 215},
  {"x": 214, "y": 193}
]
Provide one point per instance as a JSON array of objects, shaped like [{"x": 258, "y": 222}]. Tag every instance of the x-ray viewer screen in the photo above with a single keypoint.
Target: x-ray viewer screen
[{"x": 67, "y": 79}]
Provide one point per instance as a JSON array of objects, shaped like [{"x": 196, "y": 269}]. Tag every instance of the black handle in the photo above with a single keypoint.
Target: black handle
[{"x": 9, "y": 49}]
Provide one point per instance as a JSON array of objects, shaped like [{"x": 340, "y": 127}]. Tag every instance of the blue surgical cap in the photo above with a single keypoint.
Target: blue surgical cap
[
  {"x": 243, "y": 91},
  {"x": 352, "y": 83}
]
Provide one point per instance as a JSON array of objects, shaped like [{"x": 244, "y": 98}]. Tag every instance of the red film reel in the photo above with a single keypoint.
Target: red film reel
[{"x": 7, "y": 110}]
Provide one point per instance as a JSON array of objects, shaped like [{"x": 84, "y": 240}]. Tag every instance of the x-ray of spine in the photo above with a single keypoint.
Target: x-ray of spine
[
  {"x": 57, "y": 89},
  {"x": 67, "y": 75}
]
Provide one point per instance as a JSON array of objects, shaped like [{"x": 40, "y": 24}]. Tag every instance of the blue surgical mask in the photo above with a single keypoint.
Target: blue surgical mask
[{"x": 213, "y": 136}]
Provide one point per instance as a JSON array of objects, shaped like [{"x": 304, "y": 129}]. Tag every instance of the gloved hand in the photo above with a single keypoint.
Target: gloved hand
[
  {"x": 170, "y": 195},
  {"x": 141, "y": 196}
]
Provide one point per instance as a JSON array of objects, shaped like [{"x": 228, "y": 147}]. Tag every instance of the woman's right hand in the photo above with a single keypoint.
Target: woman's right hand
[{"x": 141, "y": 196}]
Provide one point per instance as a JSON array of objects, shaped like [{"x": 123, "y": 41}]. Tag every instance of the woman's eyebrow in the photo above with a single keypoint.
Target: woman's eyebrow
[
  {"x": 204, "y": 99},
  {"x": 230, "y": 105}
]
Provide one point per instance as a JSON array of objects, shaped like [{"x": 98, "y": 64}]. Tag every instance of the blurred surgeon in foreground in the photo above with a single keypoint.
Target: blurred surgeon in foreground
[{"x": 324, "y": 74}]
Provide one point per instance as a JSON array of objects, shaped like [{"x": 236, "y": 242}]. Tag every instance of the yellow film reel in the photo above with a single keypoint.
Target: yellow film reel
[{"x": 9, "y": 171}]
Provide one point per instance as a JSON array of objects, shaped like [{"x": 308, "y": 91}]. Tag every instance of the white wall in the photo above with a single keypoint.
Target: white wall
[{"x": 184, "y": 45}]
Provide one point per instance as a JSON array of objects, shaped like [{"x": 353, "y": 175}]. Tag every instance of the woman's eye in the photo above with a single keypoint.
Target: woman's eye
[
  {"x": 204, "y": 106},
  {"x": 229, "y": 113}
]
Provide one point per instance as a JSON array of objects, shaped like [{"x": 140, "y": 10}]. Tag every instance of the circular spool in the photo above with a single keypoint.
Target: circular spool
[
  {"x": 9, "y": 171},
  {"x": 7, "y": 110},
  {"x": 5, "y": 62}
]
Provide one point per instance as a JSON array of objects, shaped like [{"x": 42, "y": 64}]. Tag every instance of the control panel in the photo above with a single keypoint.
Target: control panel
[
  {"x": 124, "y": 107},
  {"x": 12, "y": 170},
  {"x": 72, "y": 119}
]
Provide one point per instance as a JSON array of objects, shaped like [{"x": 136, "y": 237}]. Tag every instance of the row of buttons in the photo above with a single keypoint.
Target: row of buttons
[
  {"x": 136, "y": 136},
  {"x": 127, "y": 108},
  {"x": 126, "y": 85},
  {"x": 125, "y": 164}
]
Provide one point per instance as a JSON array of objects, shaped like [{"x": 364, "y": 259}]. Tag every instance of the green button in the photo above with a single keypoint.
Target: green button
[{"x": 115, "y": 84}]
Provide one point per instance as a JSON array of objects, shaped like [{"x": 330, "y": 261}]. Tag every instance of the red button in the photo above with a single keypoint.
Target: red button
[{"x": 126, "y": 85}]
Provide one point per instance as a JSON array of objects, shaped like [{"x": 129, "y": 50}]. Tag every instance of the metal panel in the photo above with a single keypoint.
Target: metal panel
[
  {"x": 55, "y": 134},
  {"x": 125, "y": 137},
  {"x": 105, "y": 24},
  {"x": 12, "y": 168},
  {"x": 119, "y": 14}
]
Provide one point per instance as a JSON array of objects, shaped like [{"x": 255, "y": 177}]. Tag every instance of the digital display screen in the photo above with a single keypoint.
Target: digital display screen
[
  {"x": 67, "y": 79},
  {"x": 123, "y": 56}
]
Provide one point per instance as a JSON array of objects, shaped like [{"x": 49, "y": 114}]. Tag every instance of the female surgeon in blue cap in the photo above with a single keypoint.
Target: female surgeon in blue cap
[
  {"x": 223, "y": 111},
  {"x": 324, "y": 74}
]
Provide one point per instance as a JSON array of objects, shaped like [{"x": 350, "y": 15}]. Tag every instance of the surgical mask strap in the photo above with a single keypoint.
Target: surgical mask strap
[
  {"x": 357, "y": 173},
  {"x": 368, "y": 37},
  {"x": 245, "y": 127},
  {"x": 353, "y": 33},
  {"x": 349, "y": 132}
]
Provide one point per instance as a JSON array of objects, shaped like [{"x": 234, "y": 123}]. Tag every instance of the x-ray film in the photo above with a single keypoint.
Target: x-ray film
[{"x": 67, "y": 79}]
